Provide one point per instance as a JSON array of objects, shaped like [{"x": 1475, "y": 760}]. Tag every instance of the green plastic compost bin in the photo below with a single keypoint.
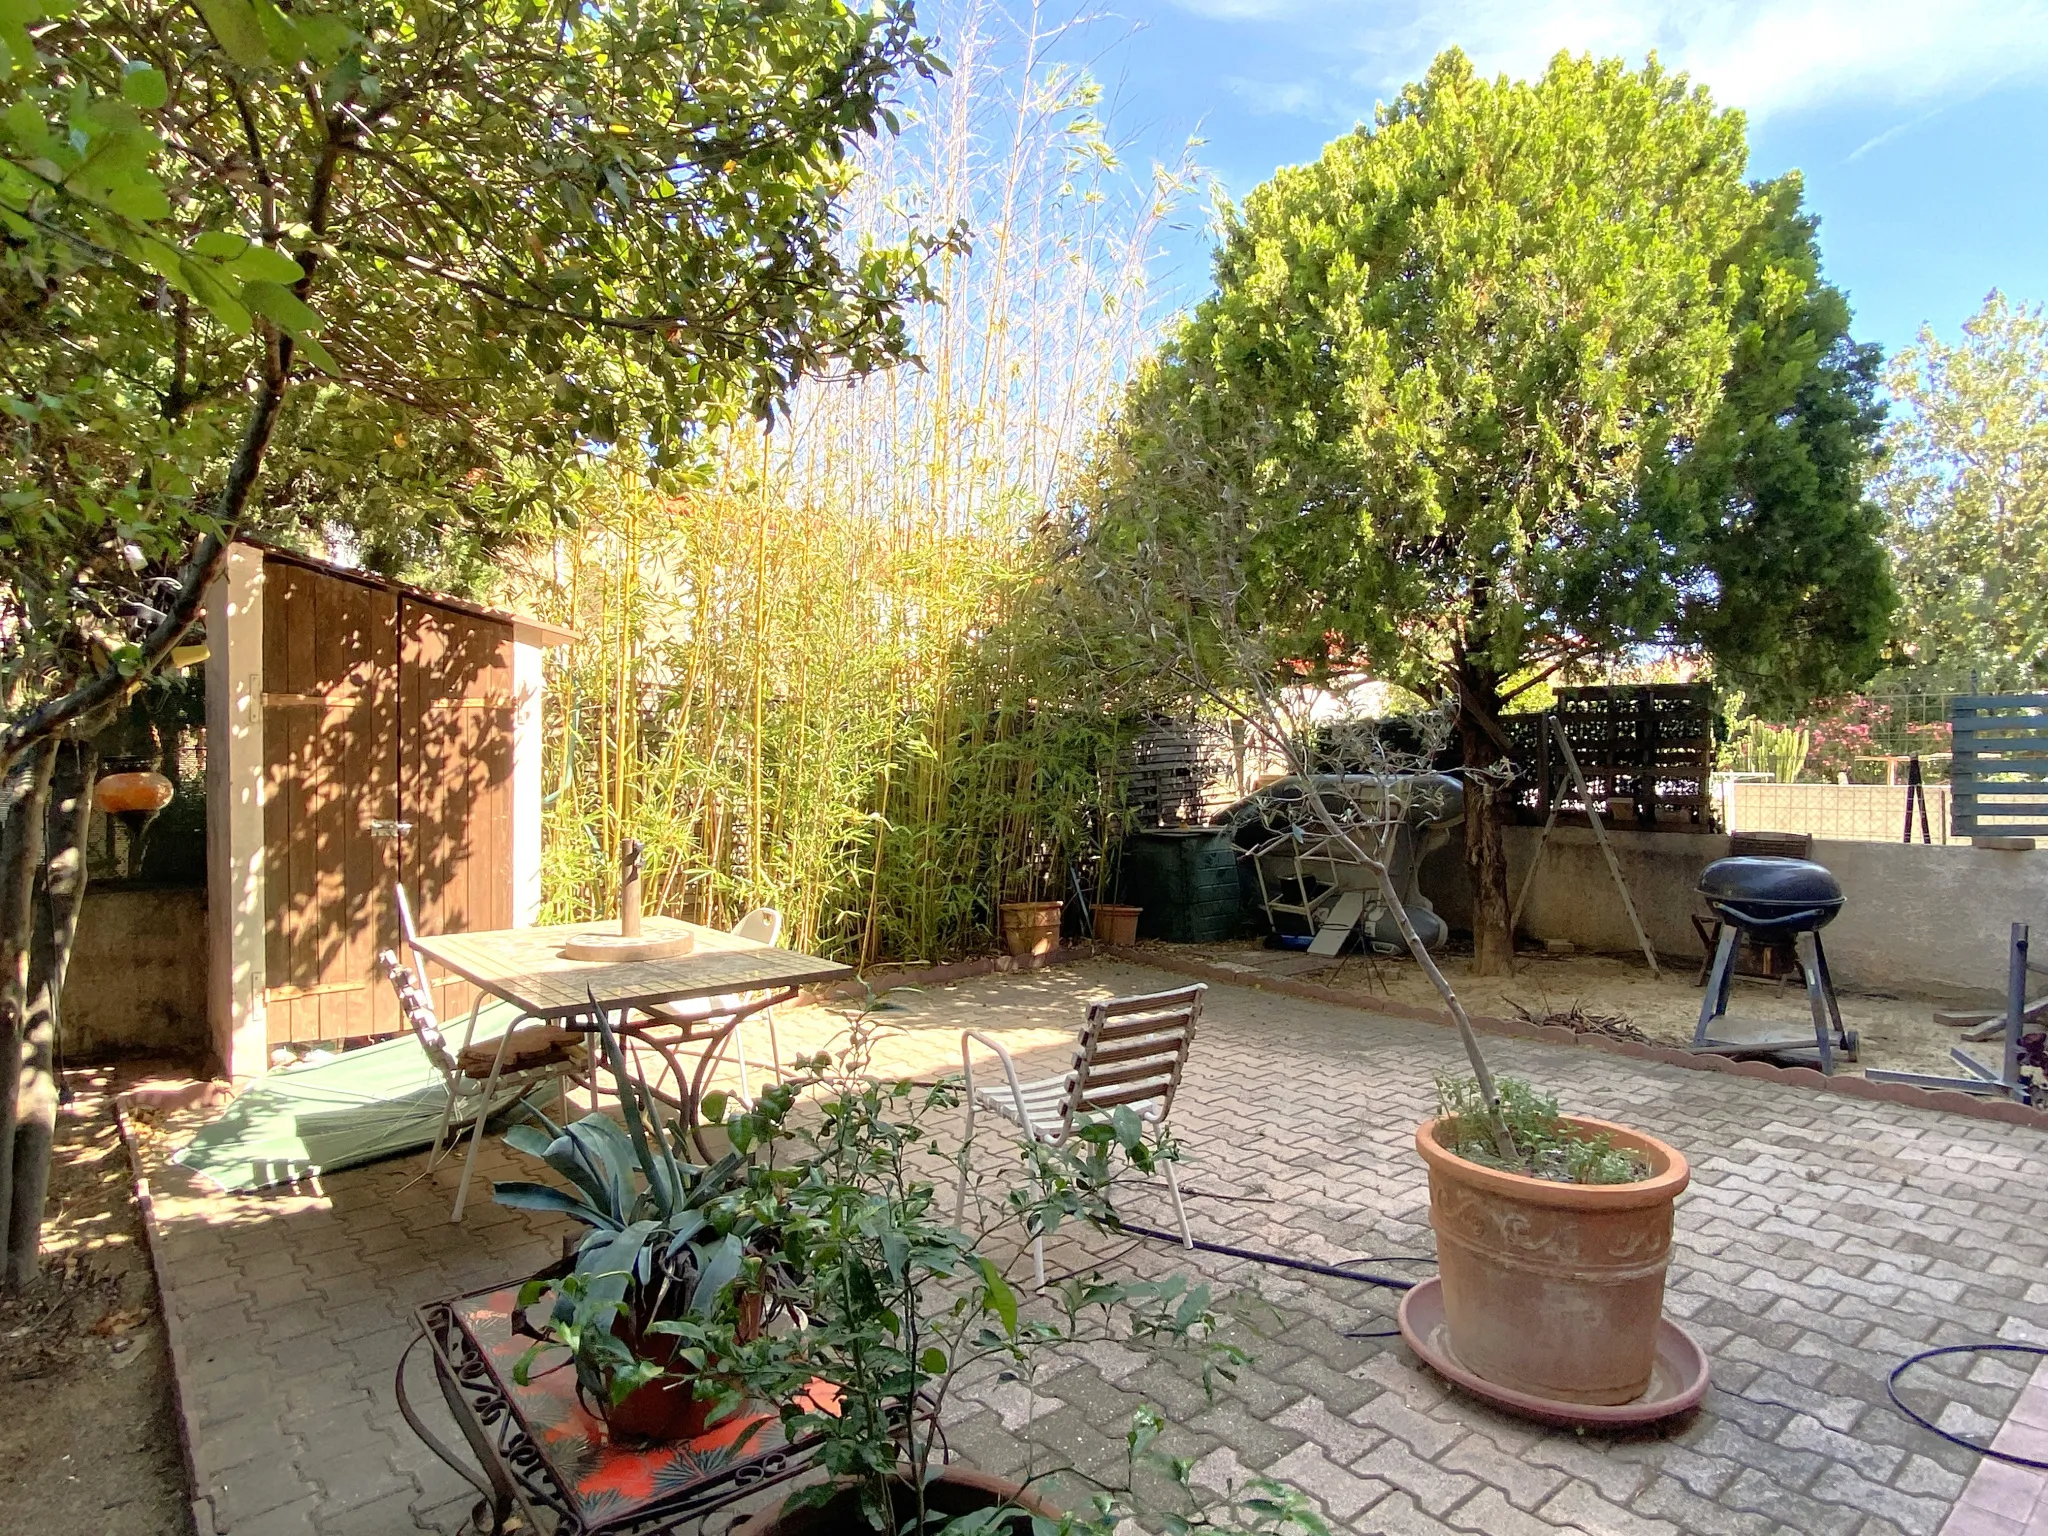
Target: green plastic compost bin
[{"x": 1186, "y": 880}]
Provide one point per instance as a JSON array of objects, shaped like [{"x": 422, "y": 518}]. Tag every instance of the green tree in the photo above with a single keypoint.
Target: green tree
[
  {"x": 387, "y": 269},
  {"x": 1966, "y": 489},
  {"x": 1523, "y": 375}
]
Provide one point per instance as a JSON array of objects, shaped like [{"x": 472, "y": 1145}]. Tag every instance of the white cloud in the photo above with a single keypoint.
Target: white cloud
[{"x": 1763, "y": 56}]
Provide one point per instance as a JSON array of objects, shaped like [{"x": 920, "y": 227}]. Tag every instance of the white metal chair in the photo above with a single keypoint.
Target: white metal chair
[
  {"x": 483, "y": 1077},
  {"x": 705, "y": 1018},
  {"x": 1131, "y": 1052}
]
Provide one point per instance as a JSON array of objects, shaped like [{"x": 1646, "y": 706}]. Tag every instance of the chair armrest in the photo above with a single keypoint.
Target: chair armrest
[{"x": 975, "y": 1036}]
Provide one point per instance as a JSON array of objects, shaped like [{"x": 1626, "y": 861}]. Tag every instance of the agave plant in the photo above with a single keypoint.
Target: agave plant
[{"x": 667, "y": 1243}]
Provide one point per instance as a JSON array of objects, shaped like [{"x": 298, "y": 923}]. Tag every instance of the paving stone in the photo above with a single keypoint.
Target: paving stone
[
  {"x": 1343, "y": 1494},
  {"x": 1339, "y": 1439},
  {"x": 1838, "y": 1484},
  {"x": 1525, "y": 1484},
  {"x": 1434, "y": 1488}
]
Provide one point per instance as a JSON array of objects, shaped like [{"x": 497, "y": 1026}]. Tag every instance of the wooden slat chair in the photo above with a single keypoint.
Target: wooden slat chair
[
  {"x": 1130, "y": 1053},
  {"x": 480, "y": 1077}
]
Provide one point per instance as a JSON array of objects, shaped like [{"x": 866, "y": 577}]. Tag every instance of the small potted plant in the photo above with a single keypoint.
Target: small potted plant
[
  {"x": 672, "y": 1268},
  {"x": 1552, "y": 1251}
]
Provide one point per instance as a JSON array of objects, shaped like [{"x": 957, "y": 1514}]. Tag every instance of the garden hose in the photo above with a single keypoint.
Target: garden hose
[
  {"x": 1891, "y": 1386},
  {"x": 1282, "y": 1261}
]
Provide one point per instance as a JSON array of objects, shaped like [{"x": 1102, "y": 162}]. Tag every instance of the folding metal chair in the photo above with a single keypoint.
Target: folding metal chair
[
  {"x": 483, "y": 1077},
  {"x": 709, "y": 1019},
  {"x": 1130, "y": 1053}
]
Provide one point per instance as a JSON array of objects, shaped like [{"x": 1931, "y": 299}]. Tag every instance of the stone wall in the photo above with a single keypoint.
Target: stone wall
[
  {"x": 1918, "y": 920},
  {"x": 137, "y": 985}
]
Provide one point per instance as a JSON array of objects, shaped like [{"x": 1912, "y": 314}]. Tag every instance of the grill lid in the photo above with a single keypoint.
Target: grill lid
[{"x": 1786, "y": 894}]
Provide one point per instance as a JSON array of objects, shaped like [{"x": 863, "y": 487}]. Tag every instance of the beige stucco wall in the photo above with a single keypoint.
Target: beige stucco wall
[
  {"x": 137, "y": 984},
  {"x": 1924, "y": 921}
]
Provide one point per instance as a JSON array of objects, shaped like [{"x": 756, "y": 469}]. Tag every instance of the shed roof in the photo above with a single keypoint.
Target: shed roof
[{"x": 526, "y": 629}]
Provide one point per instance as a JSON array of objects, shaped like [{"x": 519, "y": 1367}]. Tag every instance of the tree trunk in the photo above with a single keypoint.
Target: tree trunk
[
  {"x": 55, "y": 926},
  {"x": 24, "y": 800},
  {"x": 1486, "y": 857}
]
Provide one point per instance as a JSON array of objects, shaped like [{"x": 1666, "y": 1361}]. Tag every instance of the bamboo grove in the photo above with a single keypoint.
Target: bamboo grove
[{"x": 830, "y": 678}]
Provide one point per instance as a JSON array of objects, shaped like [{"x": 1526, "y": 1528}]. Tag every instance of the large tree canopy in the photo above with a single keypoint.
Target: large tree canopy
[
  {"x": 1521, "y": 375},
  {"x": 418, "y": 255},
  {"x": 1966, "y": 487},
  {"x": 385, "y": 269}
]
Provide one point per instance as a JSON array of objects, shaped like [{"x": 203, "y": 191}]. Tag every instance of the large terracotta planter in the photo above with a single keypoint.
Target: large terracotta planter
[
  {"x": 957, "y": 1490},
  {"x": 1552, "y": 1289},
  {"x": 1031, "y": 927}
]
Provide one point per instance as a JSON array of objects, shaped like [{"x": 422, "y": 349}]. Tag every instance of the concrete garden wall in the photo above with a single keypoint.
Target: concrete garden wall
[
  {"x": 1927, "y": 921},
  {"x": 137, "y": 984}
]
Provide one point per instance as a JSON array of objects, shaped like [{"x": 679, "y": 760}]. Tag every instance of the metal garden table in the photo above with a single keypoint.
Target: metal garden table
[
  {"x": 525, "y": 967},
  {"x": 539, "y": 1448}
]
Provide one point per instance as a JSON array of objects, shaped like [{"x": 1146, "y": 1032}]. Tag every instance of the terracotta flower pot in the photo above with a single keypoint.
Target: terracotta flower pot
[
  {"x": 1115, "y": 924},
  {"x": 1031, "y": 927},
  {"x": 668, "y": 1407},
  {"x": 1554, "y": 1289},
  {"x": 957, "y": 1490}
]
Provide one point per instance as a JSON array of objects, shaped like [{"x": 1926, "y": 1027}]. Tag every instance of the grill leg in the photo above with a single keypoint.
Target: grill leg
[
  {"x": 1714, "y": 1002},
  {"x": 1820, "y": 999}
]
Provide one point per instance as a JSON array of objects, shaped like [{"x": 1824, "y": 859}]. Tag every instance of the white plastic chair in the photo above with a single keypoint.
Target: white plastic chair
[
  {"x": 482, "y": 1077},
  {"x": 1130, "y": 1053},
  {"x": 701, "y": 1018}
]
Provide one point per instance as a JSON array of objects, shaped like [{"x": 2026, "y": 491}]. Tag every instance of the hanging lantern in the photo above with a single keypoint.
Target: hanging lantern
[{"x": 147, "y": 792}]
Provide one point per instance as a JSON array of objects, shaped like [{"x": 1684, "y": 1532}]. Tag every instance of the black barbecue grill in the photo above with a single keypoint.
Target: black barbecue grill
[
  {"x": 1771, "y": 898},
  {"x": 1772, "y": 901}
]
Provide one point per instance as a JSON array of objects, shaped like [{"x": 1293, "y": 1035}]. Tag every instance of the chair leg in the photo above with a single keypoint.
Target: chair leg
[
  {"x": 966, "y": 1151},
  {"x": 739, "y": 1048},
  {"x": 774, "y": 1045},
  {"x": 476, "y": 1135},
  {"x": 1038, "y": 1262},
  {"x": 1180, "y": 1211}
]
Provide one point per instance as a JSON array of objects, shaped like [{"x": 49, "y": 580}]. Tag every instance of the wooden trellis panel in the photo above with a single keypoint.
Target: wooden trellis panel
[{"x": 1647, "y": 753}]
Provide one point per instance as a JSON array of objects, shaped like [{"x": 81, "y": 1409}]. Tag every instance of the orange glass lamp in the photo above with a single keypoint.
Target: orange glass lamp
[{"x": 144, "y": 792}]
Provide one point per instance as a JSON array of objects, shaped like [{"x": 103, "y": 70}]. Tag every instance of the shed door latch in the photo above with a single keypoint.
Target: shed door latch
[{"x": 390, "y": 828}]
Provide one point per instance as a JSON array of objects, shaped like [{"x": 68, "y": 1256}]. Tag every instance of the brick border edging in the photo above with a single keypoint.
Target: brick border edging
[
  {"x": 1944, "y": 1100},
  {"x": 204, "y": 1516},
  {"x": 966, "y": 970}
]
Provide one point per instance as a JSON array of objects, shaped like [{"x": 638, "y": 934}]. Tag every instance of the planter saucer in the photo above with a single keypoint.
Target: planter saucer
[{"x": 1677, "y": 1381}]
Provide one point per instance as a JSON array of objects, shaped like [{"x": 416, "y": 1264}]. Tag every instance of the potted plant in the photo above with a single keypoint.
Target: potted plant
[
  {"x": 1116, "y": 923},
  {"x": 669, "y": 1279},
  {"x": 1552, "y": 1259},
  {"x": 900, "y": 1306},
  {"x": 1031, "y": 927}
]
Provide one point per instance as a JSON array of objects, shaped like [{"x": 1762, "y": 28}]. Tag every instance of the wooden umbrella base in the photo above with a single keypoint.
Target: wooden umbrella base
[{"x": 618, "y": 948}]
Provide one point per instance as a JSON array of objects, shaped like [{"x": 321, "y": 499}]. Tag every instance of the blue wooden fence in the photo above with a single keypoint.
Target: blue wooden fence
[{"x": 2000, "y": 768}]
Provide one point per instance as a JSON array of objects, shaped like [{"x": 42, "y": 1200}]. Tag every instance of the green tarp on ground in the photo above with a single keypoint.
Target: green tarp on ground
[{"x": 377, "y": 1101}]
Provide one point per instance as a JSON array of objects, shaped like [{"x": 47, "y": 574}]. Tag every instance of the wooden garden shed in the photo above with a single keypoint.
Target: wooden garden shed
[{"x": 359, "y": 732}]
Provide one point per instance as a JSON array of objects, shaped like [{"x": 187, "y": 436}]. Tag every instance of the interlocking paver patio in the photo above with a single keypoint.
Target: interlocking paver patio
[{"x": 1823, "y": 1239}]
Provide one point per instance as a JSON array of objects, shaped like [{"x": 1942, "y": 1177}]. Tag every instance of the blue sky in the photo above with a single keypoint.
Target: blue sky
[{"x": 1921, "y": 125}]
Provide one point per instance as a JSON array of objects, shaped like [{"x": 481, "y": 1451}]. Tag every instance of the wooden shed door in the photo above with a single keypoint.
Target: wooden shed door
[
  {"x": 330, "y": 746},
  {"x": 381, "y": 711},
  {"x": 455, "y": 774}
]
